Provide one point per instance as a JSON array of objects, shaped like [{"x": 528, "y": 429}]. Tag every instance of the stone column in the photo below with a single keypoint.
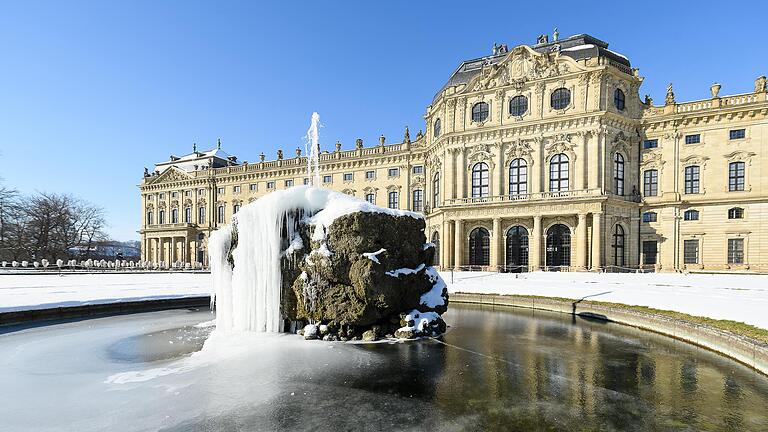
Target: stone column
[
  {"x": 581, "y": 242},
  {"x": 496, "y": 237},
  {"x": 501, "y": 170},
  {"x": 458, "y": 248},
  {"x": 594, "y": 161},
  {"x": 172, "y": 250},
  {"x": 461, "y": 174},
  {"x": 534, "y": 258},
  {"x": 581, "y": 163},
  {"x": 597, "y": 241},
  {"x": 445, "y": 246},
  {"x": 449, "y": 176},
  {"x": 161, "y": 249}
]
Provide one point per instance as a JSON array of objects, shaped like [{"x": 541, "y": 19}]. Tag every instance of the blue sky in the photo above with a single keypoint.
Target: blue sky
[{"x": 92, "y": 92}]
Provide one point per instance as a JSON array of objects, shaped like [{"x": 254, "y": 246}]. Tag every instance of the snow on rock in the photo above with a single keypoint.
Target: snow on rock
[
  {"x": 436, "y": 296},
  {"x": 373, "y": 256},
  {"x": 248, "y": 279},
  {"x": 417, "y": 323},
  {"x": 406, "y": 271}
]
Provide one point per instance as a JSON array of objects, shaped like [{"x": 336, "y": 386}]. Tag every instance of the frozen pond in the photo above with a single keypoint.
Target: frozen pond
[{"x": 502, "y": 369}]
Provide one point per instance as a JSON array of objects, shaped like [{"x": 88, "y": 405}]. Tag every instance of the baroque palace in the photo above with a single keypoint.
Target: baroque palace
[{"x": 535, "y": 157}]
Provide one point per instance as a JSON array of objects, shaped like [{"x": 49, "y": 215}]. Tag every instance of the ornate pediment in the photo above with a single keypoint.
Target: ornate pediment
[
  {"x": 522, "y": 65},
  {"x": 560, "y": 143},
  {"x": 480, "y": 153},
  {"x": 652, "y": 160},
  {"x": 695, "y": 160},
  {"x": 740, "y": 156},
  {"x": 171, "y": 174},
  {"x": 519, "y": 149}
]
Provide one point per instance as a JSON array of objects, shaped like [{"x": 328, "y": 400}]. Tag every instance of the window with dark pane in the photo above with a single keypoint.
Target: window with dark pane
[
  {"x": 518, "y": 106},
  {"x": 480, "y": 112},
  {"x": 561, "y": 98}
]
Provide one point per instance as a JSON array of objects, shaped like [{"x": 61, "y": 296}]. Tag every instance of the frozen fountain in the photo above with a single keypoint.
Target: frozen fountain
[{"x": 309, "y": 255}]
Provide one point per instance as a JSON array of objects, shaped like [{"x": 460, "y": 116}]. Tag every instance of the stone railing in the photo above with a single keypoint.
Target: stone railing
[
  {"x": 582, "y": 193},
  {"x": 171, "y": 225},
  {"x": 725, "y": 101}
]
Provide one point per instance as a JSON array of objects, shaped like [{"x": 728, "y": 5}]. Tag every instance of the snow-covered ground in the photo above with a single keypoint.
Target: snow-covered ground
[
  {"x": 741, "y": 298},
  {"x": 25, "y": 292},
  {"x": 735, "y": 297}
]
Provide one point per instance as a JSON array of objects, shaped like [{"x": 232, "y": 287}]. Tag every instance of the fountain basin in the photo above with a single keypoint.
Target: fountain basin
[{"x": 494, "y": 369}]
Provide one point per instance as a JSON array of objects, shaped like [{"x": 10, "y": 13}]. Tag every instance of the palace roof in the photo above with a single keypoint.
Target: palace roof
[{"x": 578, "y": 47}]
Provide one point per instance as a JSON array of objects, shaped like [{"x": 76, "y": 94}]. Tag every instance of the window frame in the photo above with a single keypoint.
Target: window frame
[
  {"x": 481, "y": 184},
  {"x": 393, "y": 172},
  {"x": 692, "y": 180},
  {"x": 370, "y": 175},
  {"x": 650, "y": 217},
  {"x": 393, "y": 200},
  {"x": 735, "y": 213},
  {"x": 436, "y": 190},
  {"x": 560, "y": 98},
  {"x": 742, "y": 134},
  {"x": 418, "y": 200},
  {"x": 556, "y": 164},
  {"x": 480, "y": 112},
  {"x": 518, "y": 106},
  {"x": 691, "y": 215},
  {"x": 619, "y": 246},
  {"x": 437, "y": 128},
  {"x": 736, "y": 255},
  {"x": 518, "y": 177},
  {"x": 691, "y": 139},
  {"x": 737, "y": 176},
  {"x": 618, "y": 174},
  {"x": 651, "y": 182},
  {"x": 371, "y": 198},
  {"x": 691, "y": 257},
  {"x": 650, "y": 143},
  {"x": 619, "y": 98}
]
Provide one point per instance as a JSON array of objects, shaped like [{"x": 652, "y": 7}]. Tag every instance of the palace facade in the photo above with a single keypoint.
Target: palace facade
[{"x": 535, "y": 157}]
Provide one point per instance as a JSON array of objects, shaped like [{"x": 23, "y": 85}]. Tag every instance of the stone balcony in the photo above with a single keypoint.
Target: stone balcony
[{"x": 168, "y": 226}]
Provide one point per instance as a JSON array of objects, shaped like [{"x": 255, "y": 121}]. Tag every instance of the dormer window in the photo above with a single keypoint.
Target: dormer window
[
  {"x": 480, "y": 112},
  {"x": 561, "y": 98},
  {"x": 618, "y": 100}
]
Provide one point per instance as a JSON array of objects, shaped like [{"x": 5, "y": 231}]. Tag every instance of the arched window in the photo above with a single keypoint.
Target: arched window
[
  {"x": 394, "y": 200},
  {"x": 558, "y": 246},
  {"x": 436, "y": 242},
  {"x": 561, "y": 98},
  {"x": 201, "y": 215},
  {"x": 518, "y": 177},
  {"x": 618, "y": 99},
  {"x": 480, "y": 180},
  {"x": 174, "y": 216},
  {"x": 418, "y": 200},
  {"x": 618, "y": 174},
  {"x": 436, "y": 190},
  {"x": 479, "y": 247},
  {"x": 370, "y": 198},
  {"x": 187, "y": 214},
  {"x": 235, "y": 208},
  {"x": 150, "y": 218},
  {"x": 736, "y": 213},
  {"x": 518, "y": 105},
  {"x": 558, "y": 173},
  {"x": 691, "y": 215},
  {"x": 517, "y": 249},
  {"x": 437, "y": 129},
  {"x": 162, "y": 217},
  {"x": 618, "y": 246},
  {"x": 480, "y": 112}
]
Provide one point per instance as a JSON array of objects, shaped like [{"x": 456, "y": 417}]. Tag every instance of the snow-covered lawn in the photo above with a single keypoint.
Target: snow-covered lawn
[
  {"x": 741, "y": 298},
  {"x": 735, "y": 297},
  {"x": 25, "y": 292}
]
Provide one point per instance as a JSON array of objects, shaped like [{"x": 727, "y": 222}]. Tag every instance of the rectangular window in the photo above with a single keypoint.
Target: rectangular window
[
  {"x": 650, "y": 217},
  {"x": 650, "y": 183},
  {"x": 252, "y": 187},
  {"x": 289, "y": 183},
  {"x": 692, "y": 179},
  {"x": 693, "y": 139},
  {"x": 270, "y": 185},
  {"x": 736, "y": 251},
  {"x": 650, "y": 143},
  {"x": 236, "y": 189},
  {"x": 370, "y": 198},
  {"x": 306, "y": 181},
  {"x": 220, "y": 191},
  {"x": 418, "y": 169},
  {"x": 220, "y": 215},
  {"x": 162, "y": 196},
  {"x": 394, "y": 200},
  {"x": 393, "y": 172},
  {"x": 690, "y": 251},
  {"x": 650, "y": 252},
  {"x": 370, "y": 175},
  {"x": 737, "y": 134},
  {"x": 201, "y": 215},
  {"x": 327, "y": 179},
  {"x": 347, "y": 177},
  {"x": 736, "y": 176},
  {"x": 188, "y": 193},
  {"x": 201, "y": 191},
  {"x": 174, "y": 195},
  {"x": 188, "y": 215},
  {"x": 418, "y": 200}
]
